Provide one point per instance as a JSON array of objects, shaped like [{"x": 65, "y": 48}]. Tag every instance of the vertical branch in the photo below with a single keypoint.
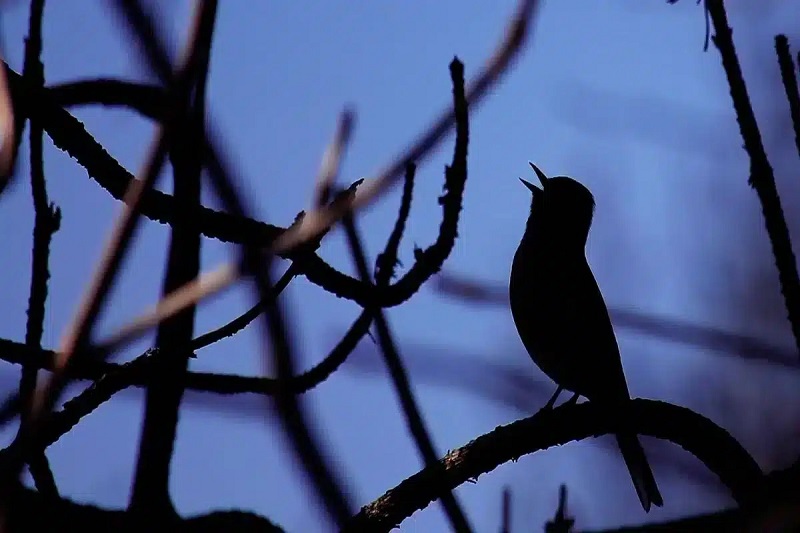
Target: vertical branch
[
  {"x": 762, "y": 178},
  {"x": 505, "y": 511},
  {"x": 47, "y": 220},
  {"x": 397, "y": 372},
  {"x": 150, "y": 494},
  {"x": 414, "y": 419},
  {"x": 789, "y": 84},
  {"x": 257, "y": 266},
  {"x": 77, "y": 338}
]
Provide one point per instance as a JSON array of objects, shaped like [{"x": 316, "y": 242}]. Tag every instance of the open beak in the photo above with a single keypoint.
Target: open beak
[
  {"x": 533, "y": 188},
  {"x": 541, "y": 175}
]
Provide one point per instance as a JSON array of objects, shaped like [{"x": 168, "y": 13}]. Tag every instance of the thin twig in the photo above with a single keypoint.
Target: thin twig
[
  {"x": 185, "y": 296},
  {"x": 207, "y": 285},
  {"x": 397, "y": 372},
  {"x": 126, "y": 375},
  {"x": 332, "y": 159},
  {"x": 240, "y": 322},
  {"x": 789, "y": 78},
  {"x": 47, "y": 220},
  {"x": 386, "y": 262}
]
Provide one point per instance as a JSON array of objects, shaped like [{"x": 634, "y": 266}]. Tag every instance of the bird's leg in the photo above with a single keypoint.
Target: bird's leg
[
  {"x": 552, "y": 401},
  {"x": 573, "y": 400}
]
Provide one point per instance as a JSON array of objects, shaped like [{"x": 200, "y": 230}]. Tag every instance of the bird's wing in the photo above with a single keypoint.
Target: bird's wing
[{"x": 593, "y": 340}]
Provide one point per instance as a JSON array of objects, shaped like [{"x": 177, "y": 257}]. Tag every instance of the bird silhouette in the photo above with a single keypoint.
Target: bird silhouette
[{"x": 561, "y": 316}]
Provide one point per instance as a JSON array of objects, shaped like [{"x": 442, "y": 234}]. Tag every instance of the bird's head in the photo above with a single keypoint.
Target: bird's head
[{"x": 562, "y": 207}]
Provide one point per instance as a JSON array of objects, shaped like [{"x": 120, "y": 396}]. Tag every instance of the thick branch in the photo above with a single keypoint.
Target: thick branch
[
  {"x": 31, "y": 511},
  {"x": 720, "y": 452}
]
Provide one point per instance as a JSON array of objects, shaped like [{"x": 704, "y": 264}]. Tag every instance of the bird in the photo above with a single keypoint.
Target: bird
[{"x": 561, "y": 316}]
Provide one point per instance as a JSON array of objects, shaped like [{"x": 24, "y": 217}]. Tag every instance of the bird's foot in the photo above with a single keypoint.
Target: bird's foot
[
  {"x": 552, "y": 400},
  {"x": 573, "y": 400}
]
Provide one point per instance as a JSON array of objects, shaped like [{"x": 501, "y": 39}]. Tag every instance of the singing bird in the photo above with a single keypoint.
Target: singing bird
[{"x": 560, "y": 313}]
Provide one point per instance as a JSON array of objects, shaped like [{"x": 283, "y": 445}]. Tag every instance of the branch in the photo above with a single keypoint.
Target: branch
[
  {"x": 317, "y": 270},
  {"x": 304, "y": 442},
  {"x": 79, "y": 332},
  {"x": 47, "y": 220},
  {"x": 711, "y": 444},
  {"x": 146, "y": 99},
  {"x": 789, "y": 84},
  {"x": 386, "y": 261},
  {"x": 31, "y": 511},
  {"x": 681, "y": 331},
  {"x": 126, "y": 376},
  {"x": 762, "y": 178},
  {"x": 150, "y": 493},
  {"x": 456, "y": 174}
]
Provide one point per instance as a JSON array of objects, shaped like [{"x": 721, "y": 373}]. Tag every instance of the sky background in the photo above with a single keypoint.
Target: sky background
[{"x": 619, "y": 95}]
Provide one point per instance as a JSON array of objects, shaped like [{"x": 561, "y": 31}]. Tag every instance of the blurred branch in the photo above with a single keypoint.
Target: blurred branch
[
  {"x": 47, "y": 221},
  {"x": 10, "y": 132},
  {"x": 78, "y": 334},
  {"x": 150, "y": 494},
  {"x": 514, "y": 387},
  {"x": 505, "y": 511},
  {"x": 561, "y": 522},
  {"x": 762, "y": 178},
  {"x": 742, "y": 346},
  {"x": 31, "y": 511},
  {"x": 240, "y": 322},
  {"x": 456, "y": 176},
  {"x": 70, "y": 135},
  {"x": 513, "y": 40},
  {"x": 207, "y": 285},
  {"x": 789, "y": 78},
  {"x": 145, "y": 98},
  {"x": 696, "y": 434},
  {"x": 87, "y": 367},
  {"x": 777, "y": 510},
  {"x": 316, "y": 270}
]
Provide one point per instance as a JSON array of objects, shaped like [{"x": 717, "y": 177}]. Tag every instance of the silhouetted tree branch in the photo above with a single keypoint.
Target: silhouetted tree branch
[
  {"x": 47, "y": 220},
  {"x": 708, "y": 442},
  {"x": 762, "y": 178}
]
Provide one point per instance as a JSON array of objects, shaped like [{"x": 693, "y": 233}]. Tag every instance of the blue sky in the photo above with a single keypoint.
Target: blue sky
[{"x": 619, "y": 95}]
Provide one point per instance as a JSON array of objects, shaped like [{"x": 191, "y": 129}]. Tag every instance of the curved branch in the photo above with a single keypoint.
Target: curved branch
[
  {"x": 32, "y": 511},
  {"x": 386, "y": 261},
  {"x": 70, "y": 135},
  {"x": 146, "y": 99},
  {"x": 128, "y": 374},
  {"x": 429, "y": 261},
  {"x": 714, "y": 446}
]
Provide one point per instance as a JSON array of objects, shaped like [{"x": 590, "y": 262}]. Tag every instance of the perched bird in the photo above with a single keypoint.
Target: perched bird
[{"x": 560, "y": 313}]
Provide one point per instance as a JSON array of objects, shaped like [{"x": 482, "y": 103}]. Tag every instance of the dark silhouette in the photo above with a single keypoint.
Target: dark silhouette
[{"x": 560, "y": 313}]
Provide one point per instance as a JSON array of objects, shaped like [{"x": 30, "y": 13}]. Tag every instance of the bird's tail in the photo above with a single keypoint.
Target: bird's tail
[{"x": 639, "y": 468}]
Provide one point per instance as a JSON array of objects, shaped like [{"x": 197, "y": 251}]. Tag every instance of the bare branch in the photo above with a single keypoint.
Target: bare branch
[
  {"x": 789, "y": 78},
  {"x": 696, "y": 434},
  {"x": 762, "y": 178}
]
